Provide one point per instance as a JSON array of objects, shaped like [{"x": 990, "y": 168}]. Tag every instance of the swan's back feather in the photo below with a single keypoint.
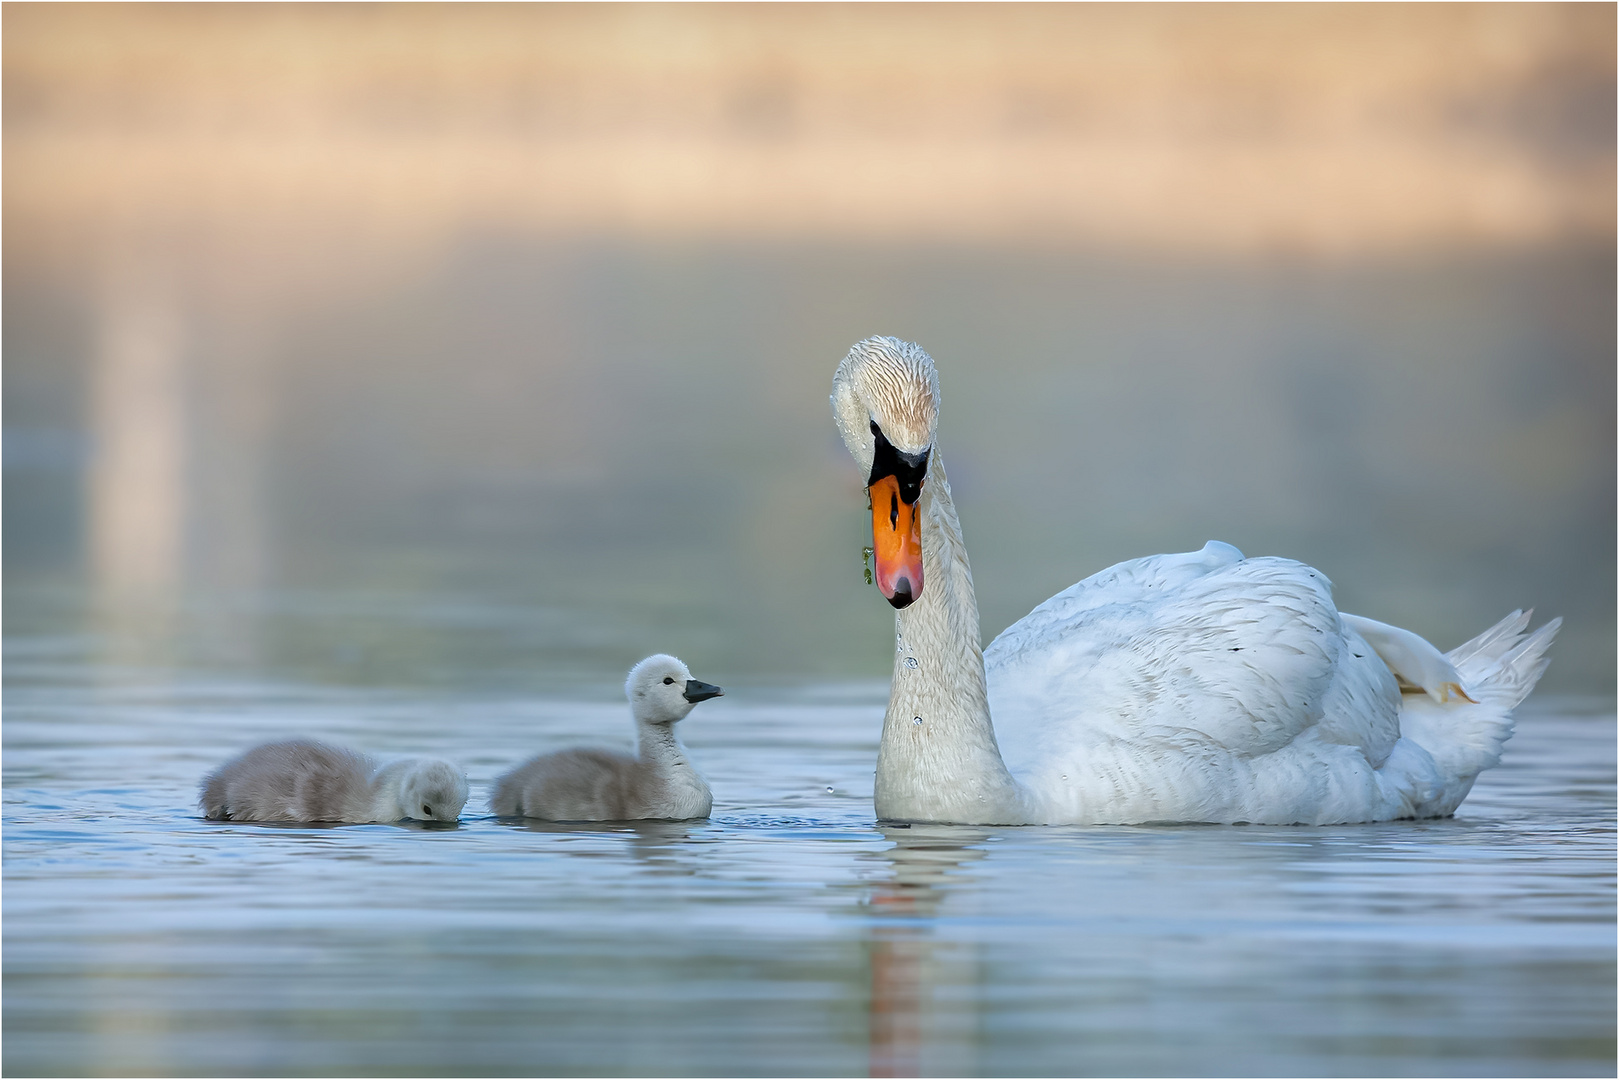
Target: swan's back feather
[
  {"x": 293, "y": 780},
  {"x": 1206, "y": 648},
  {"x": 1209, "y": 687},
  {"x": 586, "y": 784},
  {"x": 1193, "y": 687},
  {"x": 1132, "y": 581}
]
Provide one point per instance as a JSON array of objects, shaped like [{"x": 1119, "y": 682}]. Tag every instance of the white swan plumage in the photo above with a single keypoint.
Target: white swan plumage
[{"x": 1203, "y": 686}]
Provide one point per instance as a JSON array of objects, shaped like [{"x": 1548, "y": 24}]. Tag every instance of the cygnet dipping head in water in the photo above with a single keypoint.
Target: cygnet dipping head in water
[
  {"x": 600, "y": 785},
  {"x": 304, "y": 780},
  {"x": 426, "y": 789}
]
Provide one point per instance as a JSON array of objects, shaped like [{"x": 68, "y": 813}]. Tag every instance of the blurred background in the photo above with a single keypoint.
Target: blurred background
[{"x": 491, "y": 345}]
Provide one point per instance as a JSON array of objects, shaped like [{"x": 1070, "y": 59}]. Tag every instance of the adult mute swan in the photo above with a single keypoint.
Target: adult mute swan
[
  {"x": 1197, "y": 687},
  {"x": 600, "y": 785},
  {"x": 304, "y": 780}
]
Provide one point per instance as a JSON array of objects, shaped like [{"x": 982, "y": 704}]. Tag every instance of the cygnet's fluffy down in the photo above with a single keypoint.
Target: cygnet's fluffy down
[
  {"x": 600, "y": 785},
  {"x": 304, "y": 780}
]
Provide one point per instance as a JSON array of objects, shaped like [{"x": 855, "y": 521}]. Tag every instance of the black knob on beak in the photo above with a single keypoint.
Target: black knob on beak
[{"x": 902, "y": 593}]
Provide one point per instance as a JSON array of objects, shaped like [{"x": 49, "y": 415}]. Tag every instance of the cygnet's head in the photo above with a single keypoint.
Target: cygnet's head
[
  {"x": 432, "y": 790},
  {"x": 662, "y": 691}
]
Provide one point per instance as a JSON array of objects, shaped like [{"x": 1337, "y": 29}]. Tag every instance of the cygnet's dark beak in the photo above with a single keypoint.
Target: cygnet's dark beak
[{"x": 701, "y": 691}]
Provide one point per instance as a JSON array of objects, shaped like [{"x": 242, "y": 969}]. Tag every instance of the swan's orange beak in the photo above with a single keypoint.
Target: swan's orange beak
[{"x": 896, "y": 542}]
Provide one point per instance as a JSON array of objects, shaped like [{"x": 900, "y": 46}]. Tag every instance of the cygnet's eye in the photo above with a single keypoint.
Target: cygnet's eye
[
  {"x": 668, "y": 680},
  {"x": 428, "y": 810}
]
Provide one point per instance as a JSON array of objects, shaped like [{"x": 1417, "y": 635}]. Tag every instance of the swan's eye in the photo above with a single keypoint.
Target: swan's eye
[{"x": 668, "y": 680}]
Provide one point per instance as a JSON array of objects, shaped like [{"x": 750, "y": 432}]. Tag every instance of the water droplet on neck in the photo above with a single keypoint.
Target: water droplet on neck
[
  {"x": 916, "y": 719},
  {"x": 910, "y": 661}
]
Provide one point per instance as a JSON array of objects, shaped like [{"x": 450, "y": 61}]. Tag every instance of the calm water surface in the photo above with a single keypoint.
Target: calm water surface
[{"x": 787, "y": 935}]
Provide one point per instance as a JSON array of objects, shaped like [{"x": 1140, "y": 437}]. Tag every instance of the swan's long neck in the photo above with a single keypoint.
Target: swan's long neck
[
  {"x": 660, "y": 749},
  {"x": 938, "y": 760}
]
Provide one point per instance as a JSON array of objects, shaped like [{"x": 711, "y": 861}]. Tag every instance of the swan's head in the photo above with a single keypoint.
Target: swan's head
[
  {"x": 662, "y": 691},
  {"x": 885, "y": 398},
  {"x": 432, "y": 790}
]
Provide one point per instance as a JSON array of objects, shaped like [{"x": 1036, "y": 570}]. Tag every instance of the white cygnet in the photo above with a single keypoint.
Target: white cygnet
[
  {"x": 303, "y": 780},
  {"x": 600, "y": 785}
]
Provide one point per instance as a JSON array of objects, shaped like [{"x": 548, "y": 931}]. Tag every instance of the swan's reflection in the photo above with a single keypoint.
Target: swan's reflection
[
  {"x": 924, "y": 998},
  {"x": 656, "y": 846}
]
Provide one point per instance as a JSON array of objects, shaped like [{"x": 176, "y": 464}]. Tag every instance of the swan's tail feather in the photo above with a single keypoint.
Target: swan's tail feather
[
  {"x": 1507, "y": 630},
  {"x": 1503, "y": 663},
  {"x": 1498, "y": 668}
]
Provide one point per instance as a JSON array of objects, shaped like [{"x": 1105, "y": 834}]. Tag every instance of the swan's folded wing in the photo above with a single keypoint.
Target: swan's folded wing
[{"x": 1204, "y": 651}]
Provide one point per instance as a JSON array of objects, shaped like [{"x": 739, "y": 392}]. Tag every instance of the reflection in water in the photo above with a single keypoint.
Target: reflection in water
[
  {"x": 659, "y": 847},
  {"x": 423, "y": 826},
  {"x": 137, "y": 480},
  {"x": 179, "y": 409},
  {"x": 924, "y": 992}
]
